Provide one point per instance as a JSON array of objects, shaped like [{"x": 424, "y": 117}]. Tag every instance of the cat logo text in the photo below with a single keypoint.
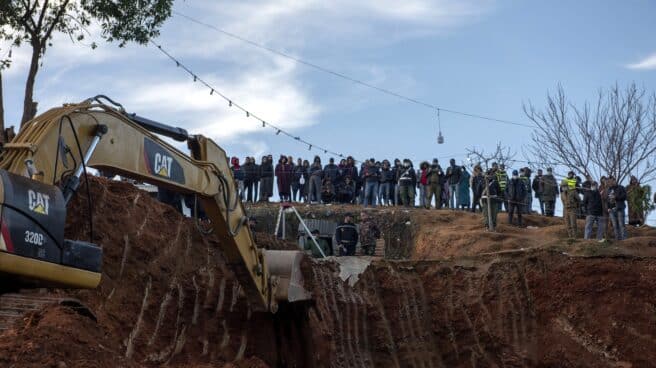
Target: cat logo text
[
  {"x": 38, "y": 202},
  {"x": 163, "y": 165}
]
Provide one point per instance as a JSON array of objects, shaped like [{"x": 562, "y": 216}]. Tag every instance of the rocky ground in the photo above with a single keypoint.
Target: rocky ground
[{"x": 448, "y": 295}]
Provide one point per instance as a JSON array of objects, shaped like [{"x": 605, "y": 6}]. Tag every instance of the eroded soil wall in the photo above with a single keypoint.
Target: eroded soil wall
[{"x": 529, "y": 310}]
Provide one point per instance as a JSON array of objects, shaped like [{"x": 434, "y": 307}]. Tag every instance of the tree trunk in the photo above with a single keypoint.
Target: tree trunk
[
  {"x": 29, "y": 106},
  {"x": 2, "y": 112}
]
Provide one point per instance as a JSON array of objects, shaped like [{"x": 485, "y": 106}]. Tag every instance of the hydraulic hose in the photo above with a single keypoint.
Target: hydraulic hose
[
  {"x": 230, "y": 208},
  {"x": 197, "y": 220}
]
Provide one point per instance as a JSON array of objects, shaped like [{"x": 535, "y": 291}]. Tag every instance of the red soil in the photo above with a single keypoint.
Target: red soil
[{"x": 167, "y": 298}]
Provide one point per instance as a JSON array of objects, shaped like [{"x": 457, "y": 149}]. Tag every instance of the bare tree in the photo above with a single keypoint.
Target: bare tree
[
  {"x": 501, "y": 155},
  {"x": 614, "y": 136}
]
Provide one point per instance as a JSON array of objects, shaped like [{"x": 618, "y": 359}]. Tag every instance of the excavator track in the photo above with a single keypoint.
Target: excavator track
[{"x": 14, "y": 306}]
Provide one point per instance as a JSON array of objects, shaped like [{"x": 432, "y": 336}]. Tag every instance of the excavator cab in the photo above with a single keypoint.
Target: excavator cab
[{"x": 32, "y": 245}]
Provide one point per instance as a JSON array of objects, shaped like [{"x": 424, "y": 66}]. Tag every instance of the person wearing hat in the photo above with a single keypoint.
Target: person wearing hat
[
  {"x": 515, "y": 195},
  {"x": 346, "y": 236},
  {"x": 548, "y": 192},
  {"x": 571, "y": 203}
]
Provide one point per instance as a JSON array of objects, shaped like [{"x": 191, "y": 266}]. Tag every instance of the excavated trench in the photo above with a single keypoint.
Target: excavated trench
[{"x": 514, "y": 299}]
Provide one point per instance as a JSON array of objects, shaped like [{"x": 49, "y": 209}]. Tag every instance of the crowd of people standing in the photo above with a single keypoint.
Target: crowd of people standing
[
  {"x": 380, "y": 183},
  {"x": 372, "y": 183}
]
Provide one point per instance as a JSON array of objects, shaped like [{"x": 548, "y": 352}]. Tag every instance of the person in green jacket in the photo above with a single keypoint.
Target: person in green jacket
[
  {"x": 548, "y": 187},
  {"x": 323, "y": 243}
]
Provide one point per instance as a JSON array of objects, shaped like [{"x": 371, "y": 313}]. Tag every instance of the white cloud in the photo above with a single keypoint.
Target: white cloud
[
  {"x": 647, "y": 63},
  {"x": 253, "y": 148},
  {"x": 145, "y": 82},
  {"x": 298, "y": 24},
  {"x": 268, "y": 94}
]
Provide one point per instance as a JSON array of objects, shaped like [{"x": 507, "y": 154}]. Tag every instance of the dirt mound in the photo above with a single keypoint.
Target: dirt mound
[
  {"x": 58, "y": 337},
  {"x": 166, "y": 297},
  {"x": 450, "y": 234}
]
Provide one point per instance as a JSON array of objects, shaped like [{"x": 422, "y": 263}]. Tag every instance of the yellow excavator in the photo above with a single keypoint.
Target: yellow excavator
[{"x": 42, "y": 168}]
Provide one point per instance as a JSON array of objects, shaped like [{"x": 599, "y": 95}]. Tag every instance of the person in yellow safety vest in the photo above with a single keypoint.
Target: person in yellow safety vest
[
  {"x": 502, "y": 179},
  {"x": 571, "y": 180},
  {"x": 571, "y": 202}
]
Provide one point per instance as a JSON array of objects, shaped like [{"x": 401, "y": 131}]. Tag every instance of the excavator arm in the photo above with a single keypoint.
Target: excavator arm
[{"x": 41, "y": 169}]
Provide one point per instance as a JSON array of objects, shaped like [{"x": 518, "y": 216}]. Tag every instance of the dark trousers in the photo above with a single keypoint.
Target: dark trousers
[
  {"x": 266, "y": 185},
  {"x": 296, "y": 186},
  {"x": 476, "y": 203},
  {"x": 512, "y": 208},
  {"x": 394, "y": 190},
  {"x": 303, "y": 192},
  {"x": 315, "y": 189},
  {"x": 549, "y": 208},
  {"x": 347, "y": 250},
  {"x": 248, "y": 188}
]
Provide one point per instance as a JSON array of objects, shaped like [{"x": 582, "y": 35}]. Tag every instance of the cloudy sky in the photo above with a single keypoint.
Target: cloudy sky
[{"x": 480, "y": 56}]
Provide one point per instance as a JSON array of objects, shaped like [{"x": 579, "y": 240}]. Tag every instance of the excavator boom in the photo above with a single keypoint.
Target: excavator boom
[{"x": 41, "y": 169}]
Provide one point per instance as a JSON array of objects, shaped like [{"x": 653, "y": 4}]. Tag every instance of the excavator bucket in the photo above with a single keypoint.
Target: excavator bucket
[{"x": 285, "y": 265}]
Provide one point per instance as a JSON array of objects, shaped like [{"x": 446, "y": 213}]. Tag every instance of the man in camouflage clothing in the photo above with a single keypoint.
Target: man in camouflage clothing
[{"x": 369, "y": 232}]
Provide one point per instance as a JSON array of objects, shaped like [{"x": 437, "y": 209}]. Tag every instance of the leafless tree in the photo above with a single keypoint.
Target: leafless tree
[
  {"x": 501, "y": 155},
  {"x": 616, "y": 135}
]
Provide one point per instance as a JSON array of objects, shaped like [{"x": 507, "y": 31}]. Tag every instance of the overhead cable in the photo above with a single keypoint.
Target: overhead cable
[{"x": 349, "y": 78}]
